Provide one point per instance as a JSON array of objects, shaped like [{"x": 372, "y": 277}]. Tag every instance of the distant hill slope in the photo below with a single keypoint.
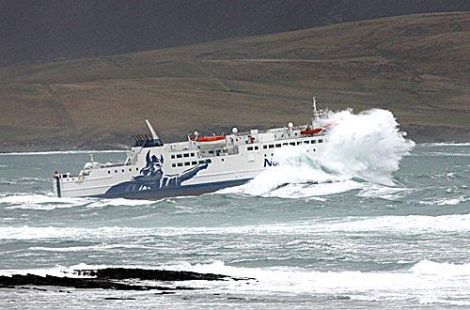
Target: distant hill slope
[
  {"x": 417, "y": 66},
  {"x": 32, "y": 31}
]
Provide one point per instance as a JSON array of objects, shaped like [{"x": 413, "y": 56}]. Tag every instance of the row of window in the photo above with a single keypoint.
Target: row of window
[
  {"x": 188, "y": 163},
  {"x": 271, "y": 146},
  {"x": 122, "y": 170},
  {"x": 217, "y": 152},
  {"x": 182, "y": 155}
]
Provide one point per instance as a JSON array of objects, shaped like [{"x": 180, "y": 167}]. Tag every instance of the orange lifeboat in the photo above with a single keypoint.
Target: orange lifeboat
[
  {"x": 209, "y": 138},
  {"x": 311, "y": 131}
]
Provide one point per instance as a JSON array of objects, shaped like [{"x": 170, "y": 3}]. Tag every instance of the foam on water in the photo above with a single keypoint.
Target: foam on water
[
  {"x": 50, "y": 202},
  {"x": 409, "y": 224},
  {"x": 99, "y": 247},
  {"x": 41, "y": 202},
  {"x": 384, "y": 192},
  {"x": 429, "y": 282},
  {"x": 425, "y": 281},
  {"x": 366, "y": 146}
]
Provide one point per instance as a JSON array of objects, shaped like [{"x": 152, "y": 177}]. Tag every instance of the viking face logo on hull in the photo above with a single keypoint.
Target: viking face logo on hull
[{"x": 153, "y": 178}]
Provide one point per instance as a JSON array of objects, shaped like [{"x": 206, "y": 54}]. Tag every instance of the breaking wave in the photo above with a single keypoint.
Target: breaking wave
[
  {"x": 364, "y": 147},
  {"x": 427, "y": 281},
  {"x": 49, "y": 202},
  {"x": 409, "y": 224}
]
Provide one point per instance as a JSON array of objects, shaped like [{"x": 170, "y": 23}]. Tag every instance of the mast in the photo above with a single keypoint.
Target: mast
[
  {"x": 155, "y": 138},
  {"x": 315, "y": 117}
]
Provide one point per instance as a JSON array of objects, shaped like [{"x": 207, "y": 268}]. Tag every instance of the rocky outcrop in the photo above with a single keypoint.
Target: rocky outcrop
[{"x": 115, "y": 279}]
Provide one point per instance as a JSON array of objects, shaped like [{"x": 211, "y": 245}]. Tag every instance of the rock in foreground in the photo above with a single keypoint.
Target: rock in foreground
[{"x": 114, "y": 278}]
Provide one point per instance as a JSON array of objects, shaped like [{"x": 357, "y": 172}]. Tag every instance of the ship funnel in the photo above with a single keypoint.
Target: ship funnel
[{"x": 152, "y": 131}]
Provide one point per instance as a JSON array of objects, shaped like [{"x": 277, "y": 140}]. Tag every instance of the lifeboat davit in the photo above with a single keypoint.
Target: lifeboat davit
[
  {"x": 311, "y": 131},
  {"x": 209, "y": 138}
]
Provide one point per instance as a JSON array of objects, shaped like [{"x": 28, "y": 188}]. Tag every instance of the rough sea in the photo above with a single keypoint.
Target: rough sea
[{"x": 375, "y": 222}]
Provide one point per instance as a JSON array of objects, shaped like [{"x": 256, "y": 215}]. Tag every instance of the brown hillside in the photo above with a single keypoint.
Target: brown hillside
[{"x": 416, "y": 66}]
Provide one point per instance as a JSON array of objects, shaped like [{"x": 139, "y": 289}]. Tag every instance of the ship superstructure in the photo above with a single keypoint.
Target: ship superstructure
[{"x": 201, "y": 164}]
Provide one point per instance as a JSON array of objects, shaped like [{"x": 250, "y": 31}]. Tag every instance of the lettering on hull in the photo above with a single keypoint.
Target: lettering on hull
[{"x": 270, "y": 163}]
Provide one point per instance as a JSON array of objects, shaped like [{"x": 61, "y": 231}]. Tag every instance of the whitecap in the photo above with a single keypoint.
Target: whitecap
[
  {"x": 41, "y": 202},
  {"x": 445, "y": 201},
  {"x": 410, "y": 224}
]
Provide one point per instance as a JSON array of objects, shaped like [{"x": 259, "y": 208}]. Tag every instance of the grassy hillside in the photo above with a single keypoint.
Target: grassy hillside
[{"x": 416, "y": 66}]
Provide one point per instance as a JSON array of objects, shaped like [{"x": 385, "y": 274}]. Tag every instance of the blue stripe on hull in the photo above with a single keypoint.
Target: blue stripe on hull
[{"x": 188, "y": 190}]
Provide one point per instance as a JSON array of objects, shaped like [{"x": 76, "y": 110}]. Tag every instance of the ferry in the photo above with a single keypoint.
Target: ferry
[{"x": 154, "y": 170}]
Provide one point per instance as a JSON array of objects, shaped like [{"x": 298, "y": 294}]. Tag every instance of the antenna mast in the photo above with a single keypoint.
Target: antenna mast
[
  {"x": 314, "y": 105},
  {"x": 152, "y": 131}
]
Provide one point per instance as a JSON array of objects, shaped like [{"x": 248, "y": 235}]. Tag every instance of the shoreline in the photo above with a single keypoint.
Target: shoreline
[
  {"x": 104, "y": 151},
  {"x": 122, "y": 142}
]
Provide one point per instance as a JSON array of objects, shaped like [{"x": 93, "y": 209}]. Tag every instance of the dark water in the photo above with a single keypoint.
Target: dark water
[{"x": 347, "y": 244}]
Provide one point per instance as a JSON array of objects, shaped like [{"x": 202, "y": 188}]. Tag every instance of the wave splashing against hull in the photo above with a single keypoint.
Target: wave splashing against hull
[{"x": 367, "y": 146}]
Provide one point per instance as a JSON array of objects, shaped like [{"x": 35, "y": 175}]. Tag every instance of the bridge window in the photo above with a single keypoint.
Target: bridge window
[
  {"x": 180, "y": 164},
  {"x": 278, "y": 145},
  {"x": 185, "y": 155},
  {"x": 271, "y": 146},
  {"x": 285, "y": 144},
  {"x": 250, "y": 148},
  {"x": 179, "y": 156},
  {"x": 172, "y": 156},
  {"x": 173, "y": 165},
  {"x": 256, "y": 148},
  {"x": 115, "y": 171},
  {"x": 299, "y": 142},
  {"x": 192, "y": 154},
  {"x": 320, "y": 141},
  {"x": 265, "y": 146},
  {"x": 307, "y": 142},
  {"x": 314, "y": 141},
  {"x": 292, "y": 143},
  {"x": 109, "y": 172},
  {"x": 136, "y": 169},
  {"x": 194, "y": 163},
  {"x": 187, "y": 163}
]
